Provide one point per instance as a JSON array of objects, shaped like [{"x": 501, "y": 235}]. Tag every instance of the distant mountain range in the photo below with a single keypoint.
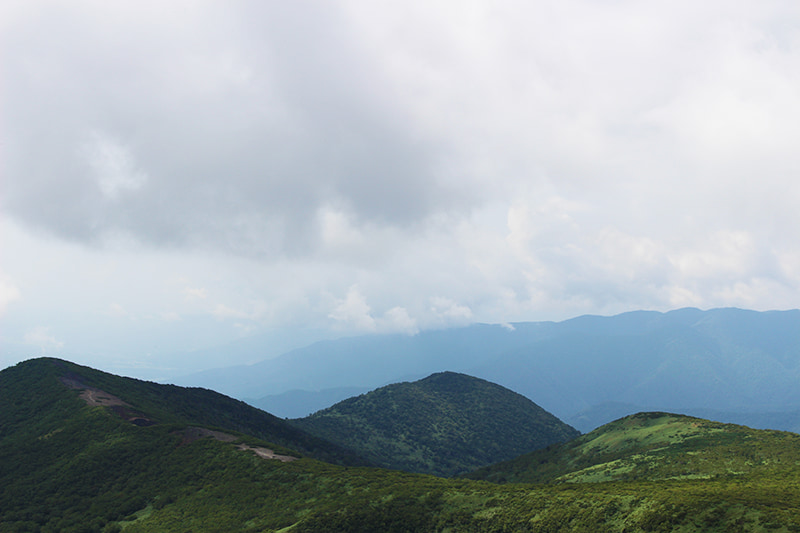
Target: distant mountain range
[
  {"x": 739, "y": 365},
  {"x": 86, "y": 451},
  {"x": 445, "y": 424}
]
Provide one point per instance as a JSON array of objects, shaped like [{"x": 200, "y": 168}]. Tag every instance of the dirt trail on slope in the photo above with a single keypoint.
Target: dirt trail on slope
[
  {"x": 193, "y": 433},
  {"x": 266, "y": 453},
  {"x": 100, "y": 398}
]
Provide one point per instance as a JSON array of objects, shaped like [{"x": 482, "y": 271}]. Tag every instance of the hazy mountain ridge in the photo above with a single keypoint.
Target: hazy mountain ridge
[
  {"x": 369, "y": 361},
  {"x": 300, "y": 403},
  {"x": 69, "y": 461},
  {"x": 445, "y": 424},
  {"x": 722, "y": 360}
]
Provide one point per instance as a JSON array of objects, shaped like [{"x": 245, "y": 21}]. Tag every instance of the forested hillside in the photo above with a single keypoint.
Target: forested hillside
[
  {"x": 445, "y": 424},
  {"x": 85, "y": 451}
]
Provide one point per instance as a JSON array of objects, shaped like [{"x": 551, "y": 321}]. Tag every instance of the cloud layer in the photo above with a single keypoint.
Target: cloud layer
[{"x": 395, "y": 167}]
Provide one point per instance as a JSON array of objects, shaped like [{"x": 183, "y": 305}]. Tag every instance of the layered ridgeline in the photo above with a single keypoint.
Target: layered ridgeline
[
  {"x": 445, "y": 424},
  {"x": 734, "y": 365},
  {"x": 85, "y": 451},
  {"x": 655, "y": 447}
]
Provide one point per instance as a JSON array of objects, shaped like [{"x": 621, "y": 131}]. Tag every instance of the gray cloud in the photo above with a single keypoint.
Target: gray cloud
[
  {"x": 233, "y": 135},
  {"x": 405, "y": 165}
]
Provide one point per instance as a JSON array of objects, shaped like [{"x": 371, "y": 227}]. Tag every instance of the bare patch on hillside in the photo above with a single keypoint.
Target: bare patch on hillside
[
  {"x": 100, "y": 398},
  {"x": 193, "y": 433},
  {"x": 266, "y": 453}
]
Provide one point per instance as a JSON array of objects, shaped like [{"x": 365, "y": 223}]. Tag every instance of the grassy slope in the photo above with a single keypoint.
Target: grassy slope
[
  {"x": 653, "y": 447},
  {"x": 445, "y": 424},
  {"x": 66, "y": 466}
]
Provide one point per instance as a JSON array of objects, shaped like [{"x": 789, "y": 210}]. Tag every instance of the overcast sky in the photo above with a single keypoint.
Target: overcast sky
[{"x": 182, "y": 174}]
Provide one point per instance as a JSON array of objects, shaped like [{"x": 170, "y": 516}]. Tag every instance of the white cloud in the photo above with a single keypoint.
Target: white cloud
[
  {"x": 453, "y": 312},
  {"x": 114, "y": 167},
  {"x": 353, "y": 311},
  {"x": 338, "y": 229},
  {"x": 724, "y": 254},
  {"x": 170, "y": 316},
  {"x": 117, "y": 310},
  {"x": 355, "y": 314},
  {"x": 245, "y": 329},
  {"x": 398, "y": 319},
  {"x": 222, "y": 312},
  {"x": 195, "y": 293},
  {"x": 9, "y": 293},
  {"x": 40, "y": 337}
]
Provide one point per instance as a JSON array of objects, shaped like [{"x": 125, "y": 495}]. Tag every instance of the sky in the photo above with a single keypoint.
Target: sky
[{"x": 182, "y": 175}]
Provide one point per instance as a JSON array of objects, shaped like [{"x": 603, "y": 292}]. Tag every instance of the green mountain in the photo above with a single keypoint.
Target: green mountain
[
  {"x": 654, "y": 447},
  {"x": 155, "y": 404},
  {"x": 85, "y": 451},
  {"x": 445, "y": 424}
]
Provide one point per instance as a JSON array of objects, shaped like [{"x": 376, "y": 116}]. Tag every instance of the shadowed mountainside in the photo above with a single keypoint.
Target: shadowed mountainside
[{"x": 445, "y": 424}]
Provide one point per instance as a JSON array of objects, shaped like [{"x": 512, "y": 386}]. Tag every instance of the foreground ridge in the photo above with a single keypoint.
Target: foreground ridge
[{"x": 72, "y": 463}]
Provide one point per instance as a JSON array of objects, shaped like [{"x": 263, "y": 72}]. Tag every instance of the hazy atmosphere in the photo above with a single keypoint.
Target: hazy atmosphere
[{"x": 180, "y": 175}]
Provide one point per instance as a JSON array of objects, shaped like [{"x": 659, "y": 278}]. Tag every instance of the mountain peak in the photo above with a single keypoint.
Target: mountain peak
[{"x": 444, "y": 424}]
